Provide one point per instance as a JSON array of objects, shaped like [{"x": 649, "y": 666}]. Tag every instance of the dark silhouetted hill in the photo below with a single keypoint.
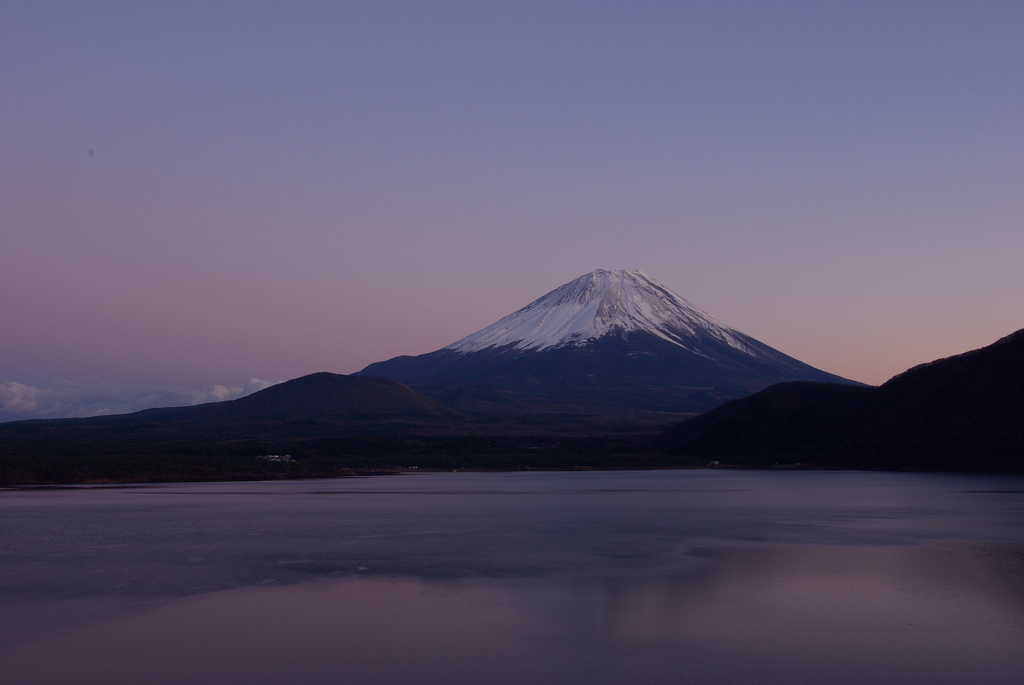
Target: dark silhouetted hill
[
  {"x": 960, "y": 413},
  {"x": 335, "y": 398}
]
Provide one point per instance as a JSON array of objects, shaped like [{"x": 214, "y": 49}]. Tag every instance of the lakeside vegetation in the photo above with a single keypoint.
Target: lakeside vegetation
[{"x": 332, "y": 457}]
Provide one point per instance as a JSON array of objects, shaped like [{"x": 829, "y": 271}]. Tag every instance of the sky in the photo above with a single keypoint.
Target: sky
[{"x": 198, "y": 199}]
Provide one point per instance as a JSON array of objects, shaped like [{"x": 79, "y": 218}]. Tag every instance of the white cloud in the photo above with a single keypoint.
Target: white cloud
[{"x": 65, "y": 399}]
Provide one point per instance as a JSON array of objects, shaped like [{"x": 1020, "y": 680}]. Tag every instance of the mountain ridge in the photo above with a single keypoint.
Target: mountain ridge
[{"x": 318, "y": 402}]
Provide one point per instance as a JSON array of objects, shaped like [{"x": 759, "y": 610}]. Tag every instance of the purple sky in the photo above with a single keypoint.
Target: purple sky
[{"x": 196, "y": 194}]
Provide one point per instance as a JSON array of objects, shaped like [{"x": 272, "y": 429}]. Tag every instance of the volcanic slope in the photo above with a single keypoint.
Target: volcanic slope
[{"x": 611, "y": 350}]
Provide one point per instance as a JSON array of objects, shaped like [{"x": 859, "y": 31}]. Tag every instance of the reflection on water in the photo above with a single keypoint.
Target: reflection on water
[{"x": 670, "y": 577}]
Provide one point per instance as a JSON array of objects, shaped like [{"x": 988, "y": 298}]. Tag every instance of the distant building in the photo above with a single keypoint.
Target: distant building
[{"x": 275, "y": 457}]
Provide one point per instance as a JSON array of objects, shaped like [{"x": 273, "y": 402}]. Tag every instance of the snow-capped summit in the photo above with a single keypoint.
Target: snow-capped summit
[{"x": 598, "y": 304}]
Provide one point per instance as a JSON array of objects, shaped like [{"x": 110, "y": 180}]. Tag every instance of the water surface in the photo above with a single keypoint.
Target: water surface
[{"x": 605, "y": 577}]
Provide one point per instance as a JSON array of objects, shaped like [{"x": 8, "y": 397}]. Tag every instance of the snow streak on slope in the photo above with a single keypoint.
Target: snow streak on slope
[{"x": 604, "y": 303}]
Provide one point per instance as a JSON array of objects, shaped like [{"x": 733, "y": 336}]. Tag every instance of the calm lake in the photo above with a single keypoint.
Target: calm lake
[{"x": 530, "y": 578}]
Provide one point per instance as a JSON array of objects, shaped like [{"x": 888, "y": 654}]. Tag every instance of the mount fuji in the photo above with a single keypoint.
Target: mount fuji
[{"x": 614, "y": 348}]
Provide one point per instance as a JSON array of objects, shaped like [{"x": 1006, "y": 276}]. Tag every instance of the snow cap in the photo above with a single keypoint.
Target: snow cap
[{"x": 598, "y": 304}]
